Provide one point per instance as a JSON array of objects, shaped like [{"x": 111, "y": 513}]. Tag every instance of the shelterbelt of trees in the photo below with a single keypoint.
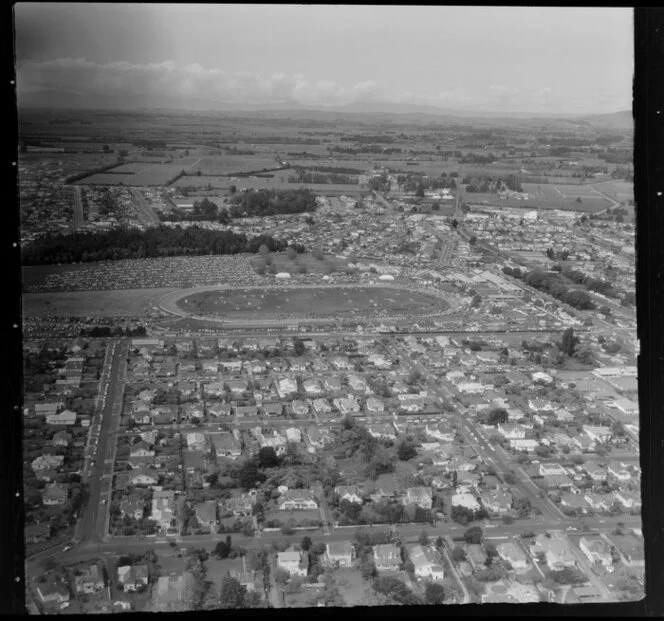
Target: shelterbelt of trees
[
  {"x": 271, "y": 202},
  {"x": 133, "y": 243}
]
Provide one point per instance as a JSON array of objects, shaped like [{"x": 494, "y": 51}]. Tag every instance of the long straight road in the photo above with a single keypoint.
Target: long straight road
[
  {"x": 408, "y": 533},
  {"x": 77, "y": 216},
  {"x": 144, "y": 207},
  {"x": 101, "y": 472}
]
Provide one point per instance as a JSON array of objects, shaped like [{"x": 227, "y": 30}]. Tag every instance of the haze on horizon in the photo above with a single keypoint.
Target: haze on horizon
[{"x": 492, "y": 59}]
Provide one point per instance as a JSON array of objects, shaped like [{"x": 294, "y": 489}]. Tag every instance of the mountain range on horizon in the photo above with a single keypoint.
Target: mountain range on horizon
[{"x": 57, "y": 99}]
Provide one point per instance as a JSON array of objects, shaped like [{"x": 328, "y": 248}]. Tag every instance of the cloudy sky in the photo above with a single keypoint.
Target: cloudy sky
[{"x": 498, "y": 59}]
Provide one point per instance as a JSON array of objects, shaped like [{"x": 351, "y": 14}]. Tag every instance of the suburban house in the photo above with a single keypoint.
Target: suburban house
[
  {"x": 597, "y": 550},
  {"x": 511, "y": 552},
  {"x": 512, "y": 431},
  {"x": 419, "y": 496},
  {"x": 556, "y": 552},
  {"x": 133, "y": 577},
  {"x": 90, "y": 580},
  {"x": 574, "y": 502},
  {"x": 272, "y": 409},
  {"x": 346, "y": 405},
  {"x": 619, "y": 471},
  {"x": 286, "y": 387},
  {"x": 66, "y": 417},
  {"x": 47, "y": 462},
  {"x": 52, "y": 592},
  {"x": 375, "y": 405},
  {"x": 558, "y": 481},
  {"x": 631, "y": 549},
  {"x": 141, "y": 449},
  {"x": 37, "y": 533},
  {"x": 244, "y": 411},
  {"x": 312, "y": 387},
  {"x": 195, "y": 441},
  {"x": 61, "y": 438},
  {"x": 387, "y": 557},
  {"x": 384, "y": 431},
  {"x": 163, "y": 508},
  {"x": 427, "y": 563},
  {"x": 315, "y": 438},
  {"x": 524, "y": 444},
  {"x": 219, "y": 409},
  {"x": 466, "y": 500},
  {"x": 349, "y": 493},
  {"x": 357, "y": 383},
  {"x": 295, "y": 562},
  {"x": 132, "y": 506},
  {"x": 599, "y": 502},
  {"x": 332, "y": 384},
  {"x": 293, "y": 434},
  {"x": 597, "y": 433},
  {"x": 628, "y": 499},
  {"x": 206, "y": 515},
  {"x": 226, "y": 445},
  {"x": 144, "y": 476},
  {"x": 595, "y": 472},
  {"x": 300, "y": 408},
  {"x": 240, "y": 506},
  {"x": 54, "y": 494},
  {"x": 442, "y": 432},
  {"x": 338, "y": 554},
  {"x": 551, "y": 469},
  {"x": 301, "y": 499},
  {"x": 321, "y": 406},
  {"x": 497, "y": 501}
]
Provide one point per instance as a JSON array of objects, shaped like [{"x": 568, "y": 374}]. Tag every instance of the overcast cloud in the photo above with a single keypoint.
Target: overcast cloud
[{"x": 494, "y": 59}]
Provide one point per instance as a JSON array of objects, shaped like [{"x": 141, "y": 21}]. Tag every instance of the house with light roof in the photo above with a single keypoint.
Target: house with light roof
[{"x": 427, "y": 563}]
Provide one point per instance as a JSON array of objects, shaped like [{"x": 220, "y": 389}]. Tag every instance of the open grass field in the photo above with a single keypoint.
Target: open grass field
[
  {"x": 619, "y": 190},
  {"x": 121, "y": 303},
  {"x": 330, "y": 300},
  {"x": 233, "y": 164},
  {"x": 140, "y": 174}
]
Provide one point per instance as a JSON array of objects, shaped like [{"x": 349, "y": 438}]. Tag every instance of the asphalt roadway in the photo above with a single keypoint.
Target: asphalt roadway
[{"x": 100, "y": 477}]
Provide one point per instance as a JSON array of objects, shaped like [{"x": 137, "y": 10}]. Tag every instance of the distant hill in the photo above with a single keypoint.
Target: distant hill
[
  {"x": 376, "y": 110},
  {"x": 616, "y": 120}
]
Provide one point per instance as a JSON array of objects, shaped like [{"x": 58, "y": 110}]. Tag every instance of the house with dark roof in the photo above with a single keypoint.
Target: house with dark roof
[
  {"x": 90, "y": 579},
  {"x": 387, "y": 557},
  {"x": 297, "y": 499}
]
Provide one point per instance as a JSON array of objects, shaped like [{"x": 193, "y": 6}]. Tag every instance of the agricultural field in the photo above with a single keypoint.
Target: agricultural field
[
  {"x": 140, "y": 174},
  {"x": 226, "y": 165},
  {"x": 123, "y": 303},
  {"x": 217, "y": 183},
  {"x": 620, "y": 190},
  {"x": 550, "y": 196},
  {"x": 310, "y": 301}
]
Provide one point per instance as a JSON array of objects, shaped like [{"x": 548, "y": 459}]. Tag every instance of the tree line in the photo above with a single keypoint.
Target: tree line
[
  {"x": 487, "y": 183},
  {"x": 252, "y": 202},
  {"x": 554, "y": 285},
  {"x": 134, "y": 243}
]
